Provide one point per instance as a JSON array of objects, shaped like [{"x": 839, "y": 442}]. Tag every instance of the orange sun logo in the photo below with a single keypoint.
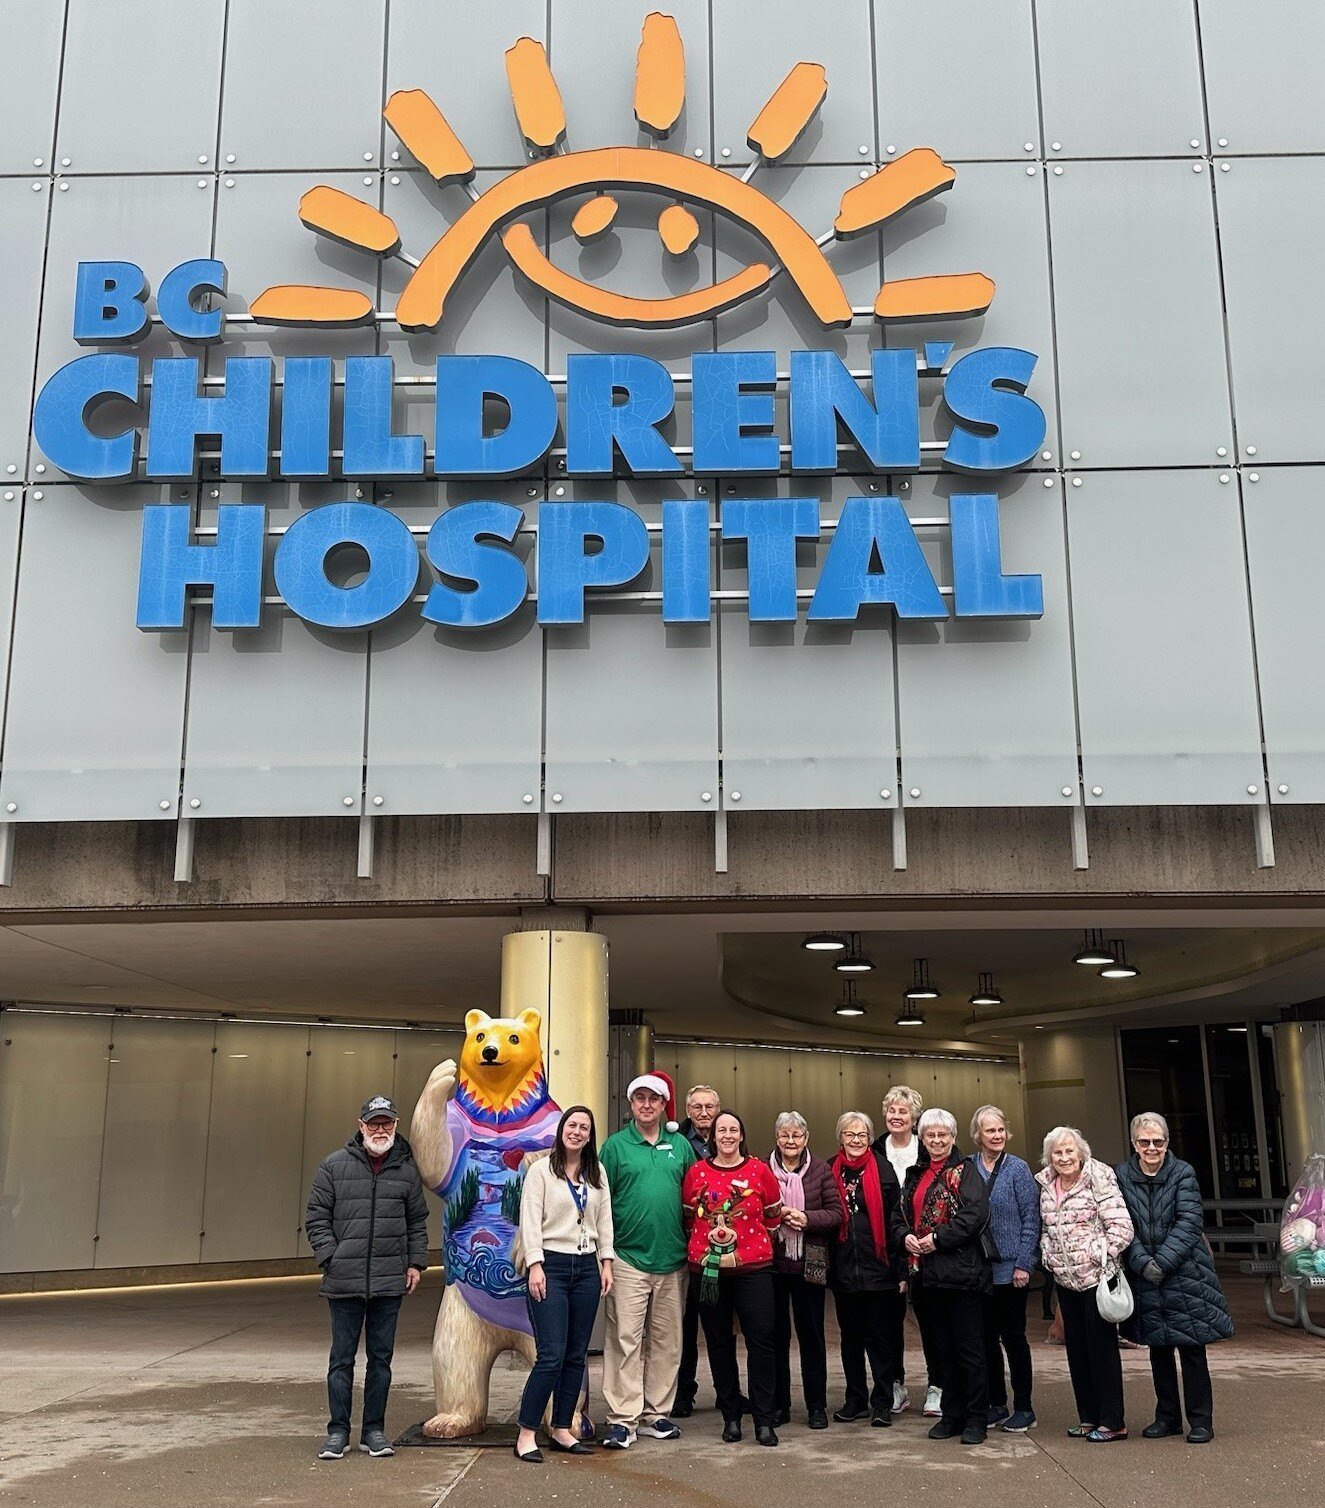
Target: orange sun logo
[{"x": 555, "y": 173}]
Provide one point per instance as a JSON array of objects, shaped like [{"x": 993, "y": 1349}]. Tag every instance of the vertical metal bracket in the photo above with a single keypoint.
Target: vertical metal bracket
[
  {"x": 1264, "y": 837},
  {"x": 1080, "y": 850},
  {"x": 899, "y": 837},
  {"x": 184, "y": 851},
  {"x": 7, "y": 833},
  {"x": 544, "y": 865},
  {"x": 720, "y": 841},
  {"x": 366, "y": 833}
]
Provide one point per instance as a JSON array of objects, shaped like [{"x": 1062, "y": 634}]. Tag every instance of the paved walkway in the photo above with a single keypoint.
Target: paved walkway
[{"x": 215, "y": 1394}]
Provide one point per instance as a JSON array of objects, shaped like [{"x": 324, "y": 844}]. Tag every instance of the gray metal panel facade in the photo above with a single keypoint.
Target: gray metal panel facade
[
  {"x": 1116, "y": 271},
  {"x": 1165, "y": 672}
]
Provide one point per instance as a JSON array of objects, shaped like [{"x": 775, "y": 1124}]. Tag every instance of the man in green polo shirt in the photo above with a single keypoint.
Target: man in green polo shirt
[{"x": 642, "y": 1347}]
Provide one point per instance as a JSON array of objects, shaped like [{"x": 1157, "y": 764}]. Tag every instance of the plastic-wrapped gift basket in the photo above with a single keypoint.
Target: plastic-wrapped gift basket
[{"x": 1302, "y": 1233}]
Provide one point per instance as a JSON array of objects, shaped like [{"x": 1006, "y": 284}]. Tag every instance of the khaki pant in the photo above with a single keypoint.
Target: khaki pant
[{"x": 642, "y": 1344}]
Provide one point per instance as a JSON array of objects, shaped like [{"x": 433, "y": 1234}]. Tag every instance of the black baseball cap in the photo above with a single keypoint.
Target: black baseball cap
[{"x": 378, "y": 1106}]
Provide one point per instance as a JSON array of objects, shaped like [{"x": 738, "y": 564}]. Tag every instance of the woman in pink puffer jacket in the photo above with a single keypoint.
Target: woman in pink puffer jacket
[{"x": 1085, "y": 1230}]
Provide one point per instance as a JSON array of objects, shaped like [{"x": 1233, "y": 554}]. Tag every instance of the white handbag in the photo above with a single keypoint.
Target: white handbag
[{"x": 1113, "y": 1296}]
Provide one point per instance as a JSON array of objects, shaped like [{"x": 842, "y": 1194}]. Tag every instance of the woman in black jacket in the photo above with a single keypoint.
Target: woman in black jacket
[
  {"x": 945, "y": 1208},
  {"x": 1179, "y": 1303},
  {"x": 867, "y": 1267}
]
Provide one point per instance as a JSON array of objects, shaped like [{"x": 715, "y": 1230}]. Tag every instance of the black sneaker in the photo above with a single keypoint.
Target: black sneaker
[
  {"x": 883, "y": 1417},
  {"x": 335, "y": 1445},
  {"x": 683, "y": 1408},
  {"x": 818, "y": 1418},
  {"x": 375, "y": 1443},
  {"x": 945, "y": 1429},
  {"x": 974, "y": 1434},
  {"x": 850, "y": 1412}
]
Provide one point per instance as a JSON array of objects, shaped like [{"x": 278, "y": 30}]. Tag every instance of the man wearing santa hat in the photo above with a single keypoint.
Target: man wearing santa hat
[{"x": 645, "y": 1162}]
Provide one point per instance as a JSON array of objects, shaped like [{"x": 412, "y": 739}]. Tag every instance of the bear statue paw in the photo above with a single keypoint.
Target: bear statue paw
[{"x": 453, "y": 1426}]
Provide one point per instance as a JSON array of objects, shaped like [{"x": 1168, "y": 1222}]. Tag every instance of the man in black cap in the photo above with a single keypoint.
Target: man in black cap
[{"x": 367, "y": 1223}]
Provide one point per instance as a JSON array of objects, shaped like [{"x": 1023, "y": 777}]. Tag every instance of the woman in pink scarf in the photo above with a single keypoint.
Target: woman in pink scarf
[{"x": 811, "y": 1215}]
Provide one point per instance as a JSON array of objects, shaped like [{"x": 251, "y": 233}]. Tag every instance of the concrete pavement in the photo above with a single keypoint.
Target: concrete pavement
[{"x": 215, "y": 1394}]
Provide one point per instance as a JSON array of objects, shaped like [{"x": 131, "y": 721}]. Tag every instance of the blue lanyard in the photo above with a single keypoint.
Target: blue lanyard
[{"x": 580, "y": 1195}]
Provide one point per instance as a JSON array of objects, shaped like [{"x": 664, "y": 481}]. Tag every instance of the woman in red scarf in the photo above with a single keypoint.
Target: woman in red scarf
[
  {"x": 866, "y": 1269},
  {"x": 945, "y": 1207}
]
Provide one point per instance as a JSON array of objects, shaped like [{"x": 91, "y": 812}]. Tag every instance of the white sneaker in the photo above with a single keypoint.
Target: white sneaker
[
  {"x": 901, "y": 1398},
  {"x": 933, "y": 1402}
]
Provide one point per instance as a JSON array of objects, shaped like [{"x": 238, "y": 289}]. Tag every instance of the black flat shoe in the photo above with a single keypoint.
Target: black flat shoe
[
  {"x": 1159, "y": 1430},
  {"x": 818, "y": 1418},
  {"x": 765, "y": 1434},
  {"x": 731, "y": 1431},
  {"x": 531, "y": 1457},
  {"x": 1201, "y": 1435},
  {"x": 579, "y": 1448}
]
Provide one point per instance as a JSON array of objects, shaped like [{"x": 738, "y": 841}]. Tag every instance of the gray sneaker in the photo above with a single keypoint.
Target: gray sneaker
[
  {"x": 335, "y": 1445},
  {"x": 375, "y": 1443}
]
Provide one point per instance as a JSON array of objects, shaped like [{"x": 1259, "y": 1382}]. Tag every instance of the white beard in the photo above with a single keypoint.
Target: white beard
[{"x": 379, "y": 1145}]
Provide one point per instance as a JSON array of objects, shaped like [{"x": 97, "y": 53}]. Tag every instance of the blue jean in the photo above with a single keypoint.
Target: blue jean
[
  {"x": 375, "y": 1318},
  {"x": 563, "y": 1322}
]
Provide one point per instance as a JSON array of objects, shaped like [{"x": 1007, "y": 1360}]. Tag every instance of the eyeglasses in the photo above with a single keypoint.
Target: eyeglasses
[
  {"x": 1152, "y": 1141},
  {"x": 791, "y": 1135},
  {"x": 855, "y": 1136}
]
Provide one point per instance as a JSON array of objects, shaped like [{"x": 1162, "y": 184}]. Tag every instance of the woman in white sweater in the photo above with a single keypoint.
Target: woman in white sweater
[{"x": 566, "y": 1230}]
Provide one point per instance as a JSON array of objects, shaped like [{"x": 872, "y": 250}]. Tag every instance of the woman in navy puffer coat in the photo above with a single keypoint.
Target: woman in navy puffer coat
[{"x": 1179, "y": 1303}]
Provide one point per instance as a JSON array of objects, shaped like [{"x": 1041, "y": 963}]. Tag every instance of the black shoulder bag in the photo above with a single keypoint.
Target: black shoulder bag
[{"x": 988, "y": 1246}]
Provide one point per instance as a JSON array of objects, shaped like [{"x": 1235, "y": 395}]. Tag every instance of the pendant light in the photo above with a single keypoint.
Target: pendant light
[
  {"x": 985, "y": 993},
  {"x": 1093, "y": 953},
  {"x": 825, "y": 942},
  {"x": 1118, "y": 966},
  {"x": 909, "y": 1015},
  {"x": 853, "y": 961},
  {"x": 850, "y": 1005},
  {"x": 922, "y": 987}
]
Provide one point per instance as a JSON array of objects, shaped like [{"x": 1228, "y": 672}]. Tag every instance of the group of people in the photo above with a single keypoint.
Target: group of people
[{"x": 678, "y": 1230}]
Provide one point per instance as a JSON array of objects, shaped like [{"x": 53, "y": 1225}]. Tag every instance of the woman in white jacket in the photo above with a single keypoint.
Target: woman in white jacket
[
  {"x": 566, "y": 1231},
  {"x": 1085, "y": 1230}
]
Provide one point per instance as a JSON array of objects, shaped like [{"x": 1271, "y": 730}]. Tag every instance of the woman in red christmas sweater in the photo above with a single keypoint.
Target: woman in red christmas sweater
[{"x": 732, "y": 1206}]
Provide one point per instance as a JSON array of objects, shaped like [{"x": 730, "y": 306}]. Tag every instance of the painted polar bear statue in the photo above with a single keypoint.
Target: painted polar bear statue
[{"x": 472, "y": 1134}]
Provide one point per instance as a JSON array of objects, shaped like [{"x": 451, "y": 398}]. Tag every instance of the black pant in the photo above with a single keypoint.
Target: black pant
[
  {"x": 1005, "y": 1330},
  {"x": 863, "y": 1319},
  {"x": 747, "y": 1297},
  {"x": 563, "y": 1322},
  {"x": 952, "y": 1321},
  {"x": 933, "y": 1361},
  {"x": 375, "y": 1319},
  {"x": 795, "y": 1300},
  {"x": 1092, "y": 1359},
  {"x": 895, "y": 1311},
  {"x": 686, "y": 1385},
  {"x": 1196, "y": 1391}
]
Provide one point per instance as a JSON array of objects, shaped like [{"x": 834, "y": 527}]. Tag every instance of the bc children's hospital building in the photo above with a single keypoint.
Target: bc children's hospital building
[{"x": 484, "y": 486}]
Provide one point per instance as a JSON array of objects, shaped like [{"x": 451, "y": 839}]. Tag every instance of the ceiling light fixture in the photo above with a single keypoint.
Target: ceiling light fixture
[
  {"x": 850, "y": 1005},
  {"x": 1241, "y": 1029},
  {"x": 1093, "y": 953},
  {"x": 1118, "y": 966},
  {"x": 825, "y": 942},
  {"x": 985, "y": 993},
  {"x": 853, "y": 961},
  {"x": 909, "y": 1015},
  {"x": 922, "y": 987}
]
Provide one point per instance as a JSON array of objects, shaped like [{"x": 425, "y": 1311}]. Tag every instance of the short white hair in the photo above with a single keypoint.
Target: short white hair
[
  {"x": 845, "y": 1119},
  {"x": 903, "y": 1094},
  {"x": 980, "y": 1114},
  {"x": 1148, "y": 1118},
  {"x": 702, "y": 1089},
  {"x": 791, "y": 1118},
  {"x": 937, "y": 1117},
  {"x": 1061, "y": 1134}
]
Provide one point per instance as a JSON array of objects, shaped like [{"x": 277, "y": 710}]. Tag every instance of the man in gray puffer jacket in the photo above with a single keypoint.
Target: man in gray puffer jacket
[{"x": 367, "y": 1223}]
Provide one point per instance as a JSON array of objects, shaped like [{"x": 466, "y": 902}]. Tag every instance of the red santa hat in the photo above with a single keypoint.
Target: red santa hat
[{"x": 660, "y": 1083}]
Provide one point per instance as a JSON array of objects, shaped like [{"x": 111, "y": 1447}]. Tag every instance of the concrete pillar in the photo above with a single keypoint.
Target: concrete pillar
[
  {"x": 1299, "y": 1052},
  {"x": 1072, "y": 1078},
  {"x": 563, "y": 974}
]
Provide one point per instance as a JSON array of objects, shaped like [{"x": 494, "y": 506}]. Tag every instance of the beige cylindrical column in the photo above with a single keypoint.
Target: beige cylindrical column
[
  {"x": 564, "y": 976},
  {"x": 1299, "y": 1050}
]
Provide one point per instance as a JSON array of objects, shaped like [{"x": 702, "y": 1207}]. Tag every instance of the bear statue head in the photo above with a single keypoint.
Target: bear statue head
[{"x": 502, "y": 1056}]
